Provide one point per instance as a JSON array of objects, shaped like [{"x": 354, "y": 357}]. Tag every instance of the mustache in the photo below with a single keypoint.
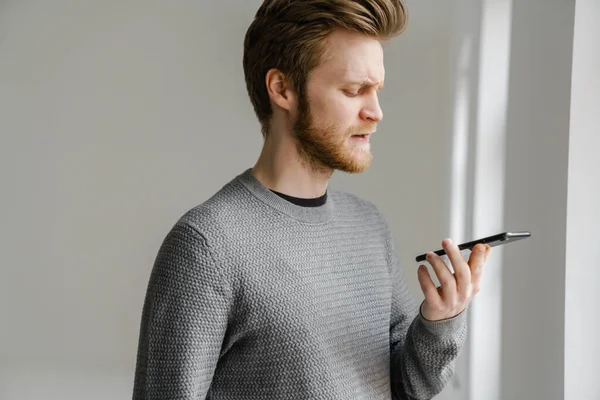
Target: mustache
[{"x": 362, "y": 130}]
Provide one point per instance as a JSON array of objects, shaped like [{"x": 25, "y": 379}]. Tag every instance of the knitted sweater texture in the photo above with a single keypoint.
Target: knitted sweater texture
[{"x": 254, "y": 298}]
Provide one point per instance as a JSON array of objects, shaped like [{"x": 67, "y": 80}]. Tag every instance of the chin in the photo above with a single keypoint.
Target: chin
[
  {"x": 355, "y": 171},
  {"x": 357, "y": 165}
]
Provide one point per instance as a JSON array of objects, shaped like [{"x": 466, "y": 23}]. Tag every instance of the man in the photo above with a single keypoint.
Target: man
[{"x": 276, "y": 288}]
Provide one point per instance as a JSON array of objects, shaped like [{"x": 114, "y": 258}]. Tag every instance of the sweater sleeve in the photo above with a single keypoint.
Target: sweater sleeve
[
  {"x": 423, "y": 352},
  {"x": 184, "y": 320}
]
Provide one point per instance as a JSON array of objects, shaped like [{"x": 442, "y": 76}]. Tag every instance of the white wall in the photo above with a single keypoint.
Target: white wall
[
  {"x": 488, "y": 167},
  {"x": 582, "y": 298},
  {"x": 534, "y": 326},
  {"x": 115, "y": 118}
]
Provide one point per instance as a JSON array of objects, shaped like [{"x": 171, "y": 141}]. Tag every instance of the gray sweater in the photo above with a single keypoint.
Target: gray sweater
[{"x": 253, "y": 298}]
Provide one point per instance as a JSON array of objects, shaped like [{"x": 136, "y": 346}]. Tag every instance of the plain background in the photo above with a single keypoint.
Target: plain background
[{"x": 118, "y": 116}]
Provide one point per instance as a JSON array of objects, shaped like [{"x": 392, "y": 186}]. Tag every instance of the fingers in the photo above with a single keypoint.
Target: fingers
[
  {"x": 476, "y": 261},
  {"x": 462, "y": 272},
  {"x": 477, "y": 255},
  {"x": 488, "y": 251},
  {"x": 458, "y": 289},
  {"x": 442, "y": 272},
  {"x": 427, "y": 286}
]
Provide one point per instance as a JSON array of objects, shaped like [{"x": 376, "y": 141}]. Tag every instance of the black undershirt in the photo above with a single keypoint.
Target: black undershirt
[{"x": 314, "y": 202}]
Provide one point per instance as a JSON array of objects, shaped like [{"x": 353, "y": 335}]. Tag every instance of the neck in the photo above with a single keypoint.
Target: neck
[{"x": 280, "y": 167}]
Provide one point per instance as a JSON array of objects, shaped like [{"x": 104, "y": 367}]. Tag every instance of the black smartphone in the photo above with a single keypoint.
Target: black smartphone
[{"x": 495, "y": 240}]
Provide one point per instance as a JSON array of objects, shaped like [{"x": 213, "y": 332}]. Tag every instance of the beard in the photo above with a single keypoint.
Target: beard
[{"x": 324, "y": 147}]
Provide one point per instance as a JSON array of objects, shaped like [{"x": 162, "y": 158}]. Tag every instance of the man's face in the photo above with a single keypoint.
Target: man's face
[{"x": 341, "y": 108}]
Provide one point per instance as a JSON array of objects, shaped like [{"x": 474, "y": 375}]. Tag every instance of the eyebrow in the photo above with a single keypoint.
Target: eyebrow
[{"x": 366, "y": 83}]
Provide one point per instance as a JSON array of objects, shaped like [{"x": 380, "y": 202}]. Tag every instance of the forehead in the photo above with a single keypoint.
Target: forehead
[{"x": 351, "y": 56}]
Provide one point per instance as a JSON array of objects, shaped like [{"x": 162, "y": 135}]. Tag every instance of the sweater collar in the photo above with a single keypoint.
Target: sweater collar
[{"x": 319, "y": 214}]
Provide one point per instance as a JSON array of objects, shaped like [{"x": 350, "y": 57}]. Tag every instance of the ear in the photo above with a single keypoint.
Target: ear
[{"x": 280, "y": 90}]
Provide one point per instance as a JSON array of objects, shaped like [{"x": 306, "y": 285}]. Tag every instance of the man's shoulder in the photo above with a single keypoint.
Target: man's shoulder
[
  {"x": 223, "y": 207},
  {"x": 354, "y": 203}
]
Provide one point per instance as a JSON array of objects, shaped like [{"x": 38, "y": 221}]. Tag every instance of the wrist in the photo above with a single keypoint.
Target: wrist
[{"x": 433, "y": 317}]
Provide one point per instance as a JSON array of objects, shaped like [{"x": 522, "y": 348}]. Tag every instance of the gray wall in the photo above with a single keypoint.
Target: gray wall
[
  {"x": 533, "y": 301},
  {"x": 115, "y": 118}
]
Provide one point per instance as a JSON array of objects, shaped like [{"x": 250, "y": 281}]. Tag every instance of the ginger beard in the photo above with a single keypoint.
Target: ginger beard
[{"x": 323, "y": 147}]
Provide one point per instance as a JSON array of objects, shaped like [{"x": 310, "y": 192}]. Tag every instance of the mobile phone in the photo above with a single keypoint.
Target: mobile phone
[{"x": 495, "y": 240}]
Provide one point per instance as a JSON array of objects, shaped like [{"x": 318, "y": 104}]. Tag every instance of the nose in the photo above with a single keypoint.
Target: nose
[{"x": 372, "y": 110}]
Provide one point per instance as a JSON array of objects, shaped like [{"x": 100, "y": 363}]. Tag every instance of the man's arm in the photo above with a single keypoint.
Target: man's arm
[
  {"x": 422, "y": 352},
  {"x": 184, "y": 320}
]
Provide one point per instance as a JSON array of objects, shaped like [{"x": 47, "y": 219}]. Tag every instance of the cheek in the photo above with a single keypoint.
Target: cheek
[{"x": 340, "y": 111}]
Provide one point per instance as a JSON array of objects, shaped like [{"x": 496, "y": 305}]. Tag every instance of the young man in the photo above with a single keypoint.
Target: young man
[{"x": 276, "y": 288}]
